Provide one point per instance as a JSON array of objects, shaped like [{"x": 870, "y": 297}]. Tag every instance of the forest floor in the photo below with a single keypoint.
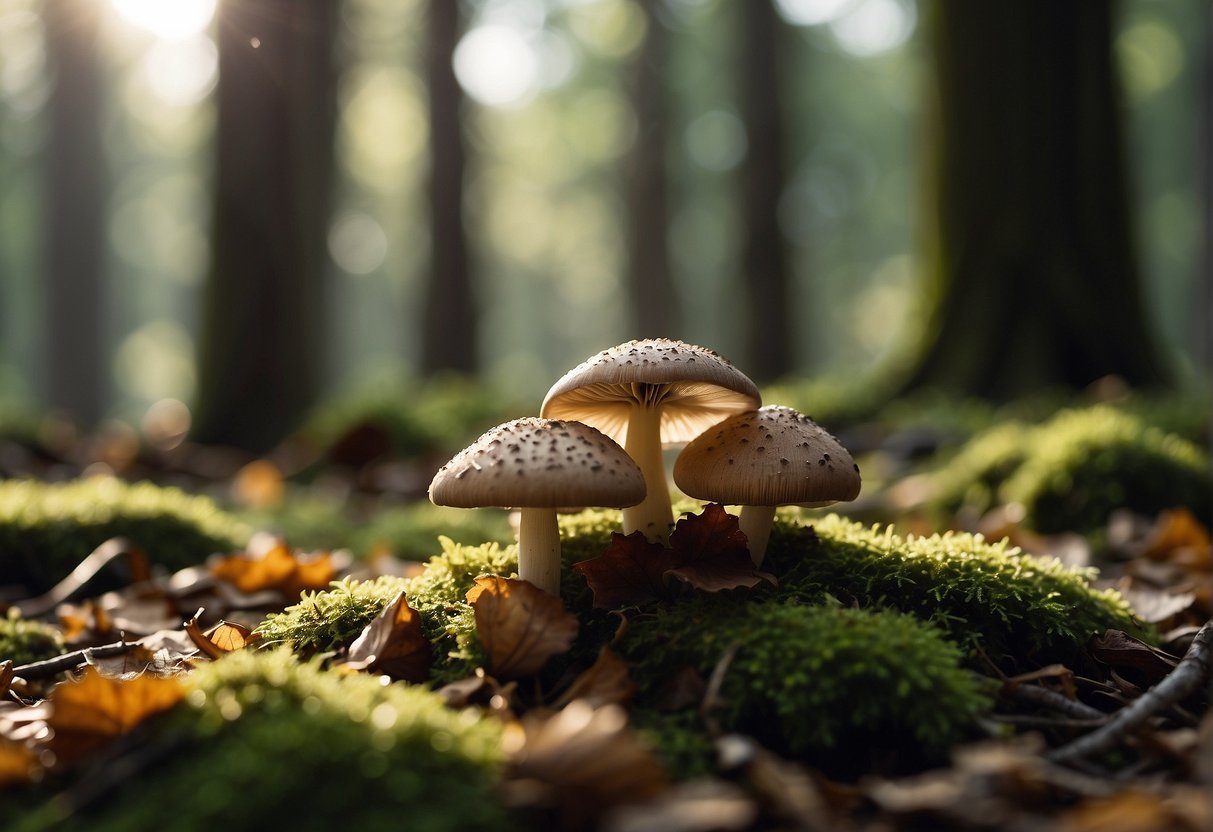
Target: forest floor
[{"x": 1122, "y": 743}]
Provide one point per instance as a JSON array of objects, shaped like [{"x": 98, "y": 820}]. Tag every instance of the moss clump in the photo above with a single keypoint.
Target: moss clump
[
  {"x": 46, "y": 530},
  {"x": 23, "y": 641},
  {"x": 983, "y": 594},
  {"x": 815, "y": 682},
  {"x": 332, "y": 618},
  {"x": 972, "y": 477},
  {"x": 1084, "y": 464},
  {"x": 263, "y": 742}
]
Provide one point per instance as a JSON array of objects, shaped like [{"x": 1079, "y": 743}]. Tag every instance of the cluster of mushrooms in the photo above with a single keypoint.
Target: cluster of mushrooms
[{"x": 646, "y": 395}]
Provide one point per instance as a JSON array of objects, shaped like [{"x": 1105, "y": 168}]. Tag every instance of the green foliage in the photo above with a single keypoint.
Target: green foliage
[
  {"x": 1084, "y": 464},
  {"x": 983, "y": 594},
  {"x": 326, "y": 620},
  {"x": 973, "y": 476},
  {"x": 438, "y": 416},
  {"x": 412, "y": 532},
  {"x": 46, "y": 530},
  {"x": 23, "y": 640},
  {"x": 263, "y": 742},
  {"x": 680, "y": 738},
  {"x": 811, "y": 680}
]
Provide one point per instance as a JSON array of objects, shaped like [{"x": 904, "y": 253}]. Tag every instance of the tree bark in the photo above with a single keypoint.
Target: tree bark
[
  {"x": 764, "y": 257},
  {"x": 1031, "y": 261},
  {"x": 450, "y": 339},
  {"x": 74, "y": 253},
  {"x": 263, "y": 331},
  {"x": 650, "y": 282}
]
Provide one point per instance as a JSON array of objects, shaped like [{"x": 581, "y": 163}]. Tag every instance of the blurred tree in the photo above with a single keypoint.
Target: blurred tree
[
  {"x": 764, "y": 256},
  {"x": 74, "y": 251},
  {"x": 1204, "y": 306},
  {"x": 262, "y": 331},
  {"x": 1030, "y": 258},
  {"x": 450, "y": 326},
  {"x": 649, "y": 280}
]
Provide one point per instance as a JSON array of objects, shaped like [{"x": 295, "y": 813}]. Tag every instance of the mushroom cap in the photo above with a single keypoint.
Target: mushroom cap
[
  {"x": 539, "y": 463},
  {"x": 772, "y": 456},
  {"x": 695, "y": 387}
]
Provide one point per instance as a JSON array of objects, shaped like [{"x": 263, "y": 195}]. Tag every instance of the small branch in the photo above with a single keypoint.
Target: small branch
[
  {"x": 1036, "y": 695},
  {"x": 70, "y": 661},
  {"x": 712, "y": 695},
  {"x": 1176, "y": 687}
]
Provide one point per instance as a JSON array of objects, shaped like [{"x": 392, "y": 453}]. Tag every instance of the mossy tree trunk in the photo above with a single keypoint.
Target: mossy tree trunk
[
  {"x": 1204, "y": 306},
  {"x": 74, "y": 248},
  {"x": 1031, "y": 262},
  {"x": 450, "y": 325},
  {"x": 764, "y": 256},
  {"x": 263, "y": 332},
  {"x": 649, "y": 281}
]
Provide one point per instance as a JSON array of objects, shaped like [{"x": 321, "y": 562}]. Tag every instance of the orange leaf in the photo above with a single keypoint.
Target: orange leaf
[
  {"x": 394, "y": 644},
  {"x": 90, "y": 712},
  {"x": 631, "y": 571},
  {"x": 275, "y": 568},
  {"x": 606, "y": 682},
  {"x": 520, "y": 626},
  {"x": 18, "y": 763},
  {"x": 220, "y": 639}
]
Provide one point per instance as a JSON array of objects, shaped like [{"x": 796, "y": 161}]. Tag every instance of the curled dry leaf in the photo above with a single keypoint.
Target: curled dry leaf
[
  {"x": 520, "y": 626},
  {"x": 90, "y": 712},
  {"x": 1123, "y": 652},
  {"x": 394, "y": 644},
  {"x": 708, "y": 551},
  {"x": 275, "y": 567},
  {"x": 606, "y": 682},
  {"x": 580, "y": 759},
  {"x": 223, "y": 638}
]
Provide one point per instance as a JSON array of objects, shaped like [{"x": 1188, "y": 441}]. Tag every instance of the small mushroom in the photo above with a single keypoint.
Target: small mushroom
[
  {"x": 538, "y": 465},
  {"x": 769, "y": 457},
  {"x": 646, "y": 393}
]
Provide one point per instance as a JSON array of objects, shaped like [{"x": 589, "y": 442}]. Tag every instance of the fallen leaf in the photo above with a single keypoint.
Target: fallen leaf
[
  {"x": 606, "y": 682},
  {"x": 712, "y": 553},
  {"x": 221, "y": 639},
  {"x": 258, "y": 485},
  {"x": 273, "y": 565},
  {"x": 580, "y": 759},
  {"x": 1121, "y": 651},
  {"x": 520, "y": 626},
  {"x": 394, "y": 644},
  {"x": 1129, "y": 811},
  {"x": 1177, "y": 536},
  {"x": 90, "y": 712},
  {"x": 1155, "y": 605},
  {"x": 631, "y": 571},
  {"x": 6, "y": 677},
  {"x": 126, "y": 665},
  {"x": 18, "y": 763}
]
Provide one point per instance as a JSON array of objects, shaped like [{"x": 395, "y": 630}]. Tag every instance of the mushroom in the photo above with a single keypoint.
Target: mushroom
[
  {"x": 769, "y": 457},
  {"x": 538, "y": 465},
  {"x": 646, "y": 393}
]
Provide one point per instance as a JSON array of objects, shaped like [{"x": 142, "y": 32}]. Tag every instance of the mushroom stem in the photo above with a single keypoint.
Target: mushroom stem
[
  {"x": 539, "y": 548},
  {"x": 755, "y": 522},
  {"x": 654, "y": 515}
]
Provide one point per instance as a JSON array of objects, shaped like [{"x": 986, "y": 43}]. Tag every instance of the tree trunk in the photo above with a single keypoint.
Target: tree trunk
[
  {"x": 450, "y": 326},
  {"x": 74, "y": 226},
  {"x": 1204, "y": 306},
  {"x": 1031, "y": 260},
  {"x": 650, "y": 282},
  {"x": 764, "y": 257},
  {"x": 263, "y": 318}
]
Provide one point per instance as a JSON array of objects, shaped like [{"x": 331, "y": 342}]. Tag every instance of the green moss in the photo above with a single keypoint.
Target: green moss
[
  {"x": 326, "y": 620},
  {"x": 815, "y": 681},
  {"x": 972, "y": 477},
  {"x": 23, "y": 641},
  {"x": 680, "y": 738},
  {"x": 1084, "y": 464},
  {"x": 983, "y": 594},
  {"x": 262, "y": 742},
  {"x": 412, "y": 532},
  {"x": 46, "y": 530}
]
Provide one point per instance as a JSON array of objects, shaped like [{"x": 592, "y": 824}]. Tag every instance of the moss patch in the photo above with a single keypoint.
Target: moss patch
[
  {"x": 46, "y": 530},
  {"x": 23, "y": 641},
  {"x": 263, "y": 742}
]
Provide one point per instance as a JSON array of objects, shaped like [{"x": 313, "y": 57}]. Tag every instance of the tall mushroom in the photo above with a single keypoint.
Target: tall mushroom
[
  {"x": 537, "y": 465},
  {"x": 646, "y": 393},
  {"x": 766, "y": 458}
]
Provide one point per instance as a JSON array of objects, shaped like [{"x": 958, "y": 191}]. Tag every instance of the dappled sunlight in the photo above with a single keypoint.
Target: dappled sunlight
[{"x": 167, "y": 18}]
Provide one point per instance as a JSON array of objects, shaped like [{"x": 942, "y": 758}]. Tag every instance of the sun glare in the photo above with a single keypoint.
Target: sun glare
[{"x": 167, "y": 18}]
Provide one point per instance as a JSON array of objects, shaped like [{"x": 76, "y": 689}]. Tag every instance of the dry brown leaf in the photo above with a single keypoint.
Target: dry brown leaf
[
  {"x": 223, "y": 638},
  {"x": 580, "y": 759},
  {"x": 713, "y": 554},
  {"x": 1177, "y": 536},
  {"x": 606, "y": 682},
  {"x": 275, "y": 566},
  {"x": 520, "y": 626},
  {"x": 394, "y": 644},
  {"x": 90, "y": 712},
  {"x": 1128, "y": 811},
  {"x": 1121, "y": 651},
  {"x": 126, "y": 665},
  {"x": 18, "y": 763},
  {"x": 630, "y": 571},
  {"x": 258, "y": 485}
]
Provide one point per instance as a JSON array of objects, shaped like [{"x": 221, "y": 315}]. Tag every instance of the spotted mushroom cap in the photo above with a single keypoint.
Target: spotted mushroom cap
[
  {"x": 539, "y": 463},
  {"x": 772, "y": 456},
  {"x": 695, "y": 386}
]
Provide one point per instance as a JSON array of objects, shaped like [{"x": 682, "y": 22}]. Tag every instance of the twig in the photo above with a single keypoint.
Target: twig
[
  {"x": 712, "y": 694},
  {"x": 84, "y": 572},
  {"x": 1177, "y": 686},
  {"x": 1048, "y": 721},
  {"x": 70, "y": 661},
  {"x": 1054, "y": 701}
]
